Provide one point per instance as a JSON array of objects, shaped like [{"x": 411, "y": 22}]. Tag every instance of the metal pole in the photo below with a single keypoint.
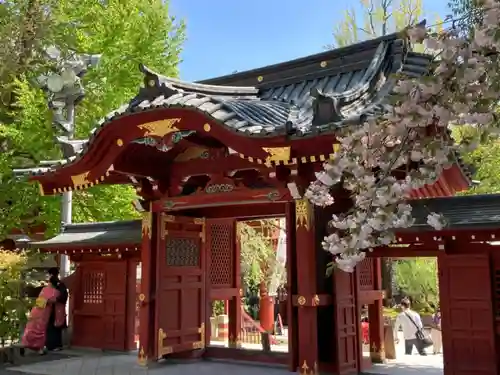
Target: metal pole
[
  {"x": 67, "y": 199},
  {"x": 66, "y": 211}
]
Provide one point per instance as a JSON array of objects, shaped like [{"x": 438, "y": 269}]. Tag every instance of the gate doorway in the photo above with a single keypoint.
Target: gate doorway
[
  {"x": 234, "y": 326},
  {"x": 467, "y": 331},
  {"x": 255, "y": 320}
]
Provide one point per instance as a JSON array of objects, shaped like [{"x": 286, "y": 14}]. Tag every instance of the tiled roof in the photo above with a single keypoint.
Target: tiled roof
[
  {"x": 465, "y": 212},
  {"x": 469, "y": 211},
  {"x": 111, "y": 233},
  {"x": 282, "y": 98},
  {"x": 359, "y": 79}
]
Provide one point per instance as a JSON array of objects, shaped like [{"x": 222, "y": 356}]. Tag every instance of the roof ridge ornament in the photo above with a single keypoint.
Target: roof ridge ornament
[
  {"x": 326, "y": 108},
  {"x": 156, "y": 85}
]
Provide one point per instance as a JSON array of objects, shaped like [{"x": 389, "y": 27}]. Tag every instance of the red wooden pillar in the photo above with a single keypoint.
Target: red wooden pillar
[
  {"x": 148, "y": 275},
  {"x": 376, "y": 316},
  {"x": 306, "y": 298}
]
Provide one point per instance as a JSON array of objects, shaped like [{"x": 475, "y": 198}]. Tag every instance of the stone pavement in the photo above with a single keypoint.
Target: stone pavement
[
  {"x": 125, "y": 364},
  {"x": 122, "y": 364},
  {"x": 98, "y": 363},
  {"x": 410, "y": 364}
]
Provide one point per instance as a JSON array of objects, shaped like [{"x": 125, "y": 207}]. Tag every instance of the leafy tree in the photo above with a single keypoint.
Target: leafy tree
[
  {"x": 466, "y": 14},
  {"x": 484, "y": 159},
  {"x": 259, "y": 263},
  {"x": 126, "y": 34},
  {"x": 377, "y": 18},
  {"x": 418, "y": 279},
  {"x": 16, "y": 276}
]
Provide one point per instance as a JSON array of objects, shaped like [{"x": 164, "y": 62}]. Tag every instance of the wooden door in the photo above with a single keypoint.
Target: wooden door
[
  {"x": 99, "y": 315},
  {"x": 180, "y": 292},
  {"x": 346, "y": 315},
  {"x": 89, "y": 305},
  {"x": 467, "y": 315},
  {"x": 115, "y": 306}
]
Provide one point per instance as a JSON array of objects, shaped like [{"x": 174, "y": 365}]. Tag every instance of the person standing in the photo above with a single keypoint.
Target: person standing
[
  {"x": 411, "y": 323},
  {"x": 35, "y": 332},
  {"x": 54, "y": 327},
  {"x": 436, "y": 335}
]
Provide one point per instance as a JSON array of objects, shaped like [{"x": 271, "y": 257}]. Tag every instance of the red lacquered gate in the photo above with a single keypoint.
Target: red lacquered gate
[
  {"x": 99, "y": 315},
  {"x": 466, "y": 305},
  {"x": 180, "y": 311}
]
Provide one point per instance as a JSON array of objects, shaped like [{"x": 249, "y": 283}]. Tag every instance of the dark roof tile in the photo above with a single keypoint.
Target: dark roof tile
[
  {"x": 462, "y": 212},
  {"x": 112, "y": 233}
]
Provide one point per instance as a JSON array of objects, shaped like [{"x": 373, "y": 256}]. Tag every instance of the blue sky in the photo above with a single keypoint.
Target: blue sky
[{"x": 228, "y": 35}]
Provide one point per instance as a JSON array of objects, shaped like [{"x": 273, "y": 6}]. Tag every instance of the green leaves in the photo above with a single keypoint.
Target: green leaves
[
  {"x": 259, "y": 263},
  {"x": 418, "y": 279},
  {"x": 126, "y": 34},
  {"x": 376, "y": 18},
  {"x": 15, "y": 275}
]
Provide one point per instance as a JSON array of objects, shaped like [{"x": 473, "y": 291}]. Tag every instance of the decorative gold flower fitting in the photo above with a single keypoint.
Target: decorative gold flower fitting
[
  {"x": 302, "y": 213},
  {"x": 142, "y": 359},
  {"x": 301, "y": 300}
]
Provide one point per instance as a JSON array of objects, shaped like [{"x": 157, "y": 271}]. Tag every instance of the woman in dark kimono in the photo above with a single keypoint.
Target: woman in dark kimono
[{"x": 54, "y": 331}]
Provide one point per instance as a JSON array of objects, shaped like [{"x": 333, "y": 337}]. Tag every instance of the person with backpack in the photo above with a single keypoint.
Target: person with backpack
[{"x": 412, "y": 326}]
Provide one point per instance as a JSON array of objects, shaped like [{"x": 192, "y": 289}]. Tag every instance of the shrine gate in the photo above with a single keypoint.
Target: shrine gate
[{"x": 246, "y": 146}]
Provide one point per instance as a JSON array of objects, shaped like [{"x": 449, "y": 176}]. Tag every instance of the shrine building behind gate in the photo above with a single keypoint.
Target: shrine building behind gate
[{"x": 245, "y": 146}]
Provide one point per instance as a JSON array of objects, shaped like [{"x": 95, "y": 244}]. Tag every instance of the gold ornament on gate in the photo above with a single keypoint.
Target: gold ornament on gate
[
  {"x": 200, "y": 344},
  {"x": 277, "y": 154},
  {"x": 142, "y": 359},
  {"x": 147, "y": 219},
  {"x": 302, "y": 213},
  {"x": 301, "y": 300},
  {"x": 160, "y": 128},
  {"x": 306, "y": 370},
  {"x": 80, "y": 179},
  {"x": 163, "y": 350}
]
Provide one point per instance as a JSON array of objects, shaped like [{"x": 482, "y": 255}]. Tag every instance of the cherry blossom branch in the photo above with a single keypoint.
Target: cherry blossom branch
[{"x": 462, "y": 90}]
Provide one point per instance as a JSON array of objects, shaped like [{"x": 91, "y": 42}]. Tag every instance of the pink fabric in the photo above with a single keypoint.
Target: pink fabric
[
  {"x": 60, "y": 315},
  {"x": 36, "y": 328}
]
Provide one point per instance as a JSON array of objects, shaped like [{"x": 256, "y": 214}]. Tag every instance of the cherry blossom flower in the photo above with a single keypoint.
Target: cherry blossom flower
[{"x": 411, "y": 136}]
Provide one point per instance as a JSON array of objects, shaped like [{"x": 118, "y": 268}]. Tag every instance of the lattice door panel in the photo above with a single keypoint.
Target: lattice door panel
[
  {"x": 221, "y": 247},
  {"x": 182, "y": 252},
  {"x": 93, "y": 286},
  {"x": 365, "y": 272}
]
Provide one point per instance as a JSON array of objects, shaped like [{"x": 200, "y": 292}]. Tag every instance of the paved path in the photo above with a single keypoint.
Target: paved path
[
  {"x": 410, "y": 364},
  {"x": 126, "y": 365},
  {"x": 123, "y": 364},
  {"x": 93, "y": 363}
]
